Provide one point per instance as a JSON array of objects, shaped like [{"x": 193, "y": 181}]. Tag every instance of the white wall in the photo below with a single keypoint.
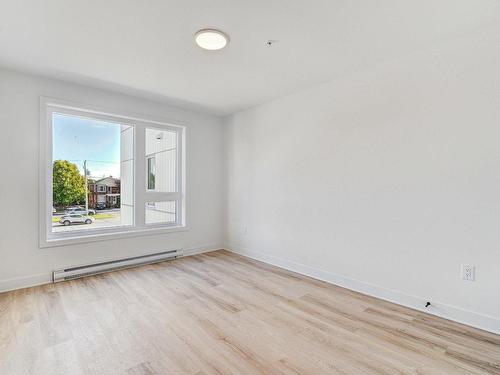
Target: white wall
[
  {"x": 21, "y": 261},
  {"x": 385, "y": 181}
]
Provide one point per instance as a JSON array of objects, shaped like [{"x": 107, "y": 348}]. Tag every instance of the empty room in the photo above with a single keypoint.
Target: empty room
[{"x": 280, "y": 187}]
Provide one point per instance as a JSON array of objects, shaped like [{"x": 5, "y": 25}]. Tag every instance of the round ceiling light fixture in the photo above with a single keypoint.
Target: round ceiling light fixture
[{"x": 211, "y": 39}]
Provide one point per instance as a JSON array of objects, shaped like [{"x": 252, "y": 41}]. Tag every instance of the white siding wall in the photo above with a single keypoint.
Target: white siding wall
[{"x": 162, "y": 145}]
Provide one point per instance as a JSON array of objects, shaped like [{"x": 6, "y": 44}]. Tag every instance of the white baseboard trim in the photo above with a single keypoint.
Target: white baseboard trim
[
  {"x": 470, "y": 318},
  {"x": 22, "y": 282},
  {"x": 202, "y": 249},
  {"x": 25, "y": 282}
]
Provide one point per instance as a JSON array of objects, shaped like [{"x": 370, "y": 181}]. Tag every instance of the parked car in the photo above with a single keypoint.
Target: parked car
[
  {"x": 100, "y": 206},
  {"x": 75, "y": 219},
  {"x": 79, "y": 210}
]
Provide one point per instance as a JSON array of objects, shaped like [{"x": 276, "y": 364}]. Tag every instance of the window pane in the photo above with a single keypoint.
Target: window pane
[
  {"x": 92, "y": 167},
  {"x": 151, "y": 172},
  {"x": 161, "y": 212},
  {"x": 162, "y": 145}
]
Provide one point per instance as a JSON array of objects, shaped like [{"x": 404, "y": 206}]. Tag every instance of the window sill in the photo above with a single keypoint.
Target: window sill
[{"x": 79, "y": 238}]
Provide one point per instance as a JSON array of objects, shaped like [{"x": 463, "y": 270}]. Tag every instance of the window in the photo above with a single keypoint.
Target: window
[
  {"x": 124, "y": 175},
  {"x": 151, "y": 172},
  {"x": 161, "y": 212}
]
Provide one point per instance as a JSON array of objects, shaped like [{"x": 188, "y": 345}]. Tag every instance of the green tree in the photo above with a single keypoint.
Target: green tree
[{"x": 68, "y": 185}]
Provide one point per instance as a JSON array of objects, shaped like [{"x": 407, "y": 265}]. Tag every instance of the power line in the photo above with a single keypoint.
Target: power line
[{"x": 94, "y": 161}]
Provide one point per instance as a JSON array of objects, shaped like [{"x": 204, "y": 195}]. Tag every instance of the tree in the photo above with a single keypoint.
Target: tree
[{"x": 68, "y": 185}]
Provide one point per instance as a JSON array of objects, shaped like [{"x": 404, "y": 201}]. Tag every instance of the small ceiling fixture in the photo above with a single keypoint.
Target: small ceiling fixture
[{"x": 211, "y": 39}]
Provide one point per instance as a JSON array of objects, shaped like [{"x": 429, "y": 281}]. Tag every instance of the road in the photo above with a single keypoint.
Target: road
[
  {"x": 153, "y": 217},
  {"x": 98, "y": 223}
]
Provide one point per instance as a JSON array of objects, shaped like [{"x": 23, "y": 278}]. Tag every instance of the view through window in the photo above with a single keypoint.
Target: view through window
[
  {"x": 161, "y": 156},
  {"x": 92, "y": 173}
]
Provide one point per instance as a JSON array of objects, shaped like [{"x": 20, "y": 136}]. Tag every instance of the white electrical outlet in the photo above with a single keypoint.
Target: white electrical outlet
[{"x": 468, "y": 272}]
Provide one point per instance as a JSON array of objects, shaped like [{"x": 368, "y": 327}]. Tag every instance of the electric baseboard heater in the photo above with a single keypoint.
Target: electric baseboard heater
[{"x": 77, "y": 272}]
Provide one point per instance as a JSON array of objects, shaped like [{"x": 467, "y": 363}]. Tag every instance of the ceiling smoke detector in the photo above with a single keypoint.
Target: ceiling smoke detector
[{"x": 211, "y": 39}]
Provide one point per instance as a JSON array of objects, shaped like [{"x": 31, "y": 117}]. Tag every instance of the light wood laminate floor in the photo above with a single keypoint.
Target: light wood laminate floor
[{"x": 219, "y": 313}]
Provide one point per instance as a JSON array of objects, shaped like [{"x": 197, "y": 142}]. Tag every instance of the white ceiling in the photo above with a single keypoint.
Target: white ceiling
[{"x": 147, "y": 48}]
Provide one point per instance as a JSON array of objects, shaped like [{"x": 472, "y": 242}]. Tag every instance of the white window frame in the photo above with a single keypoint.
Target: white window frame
[{"x": 141, "y": 195}]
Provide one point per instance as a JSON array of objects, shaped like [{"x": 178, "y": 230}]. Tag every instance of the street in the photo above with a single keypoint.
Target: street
[
  {"x": 111, "y": 218},
  {"x": 102, "y": 219}
]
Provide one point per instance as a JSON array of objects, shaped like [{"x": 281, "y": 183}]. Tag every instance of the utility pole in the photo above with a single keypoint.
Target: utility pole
[{"x": 86, "y": 187}]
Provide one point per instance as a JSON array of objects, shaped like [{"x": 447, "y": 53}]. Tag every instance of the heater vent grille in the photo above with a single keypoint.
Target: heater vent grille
[{"x": 77, "y": 272}]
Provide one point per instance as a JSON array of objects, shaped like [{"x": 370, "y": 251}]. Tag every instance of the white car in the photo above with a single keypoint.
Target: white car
[
  {"x": 75, "y": 219},
  {"x": 79, "y": 210}
]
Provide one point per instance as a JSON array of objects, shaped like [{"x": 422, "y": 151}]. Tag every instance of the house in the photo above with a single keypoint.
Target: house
[
  {"x": 105, "y": 190},
  {"x": 305, "y": 187}
]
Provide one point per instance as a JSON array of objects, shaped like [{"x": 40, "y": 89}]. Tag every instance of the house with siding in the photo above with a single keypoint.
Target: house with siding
[{"x": 105, "y": 190}]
